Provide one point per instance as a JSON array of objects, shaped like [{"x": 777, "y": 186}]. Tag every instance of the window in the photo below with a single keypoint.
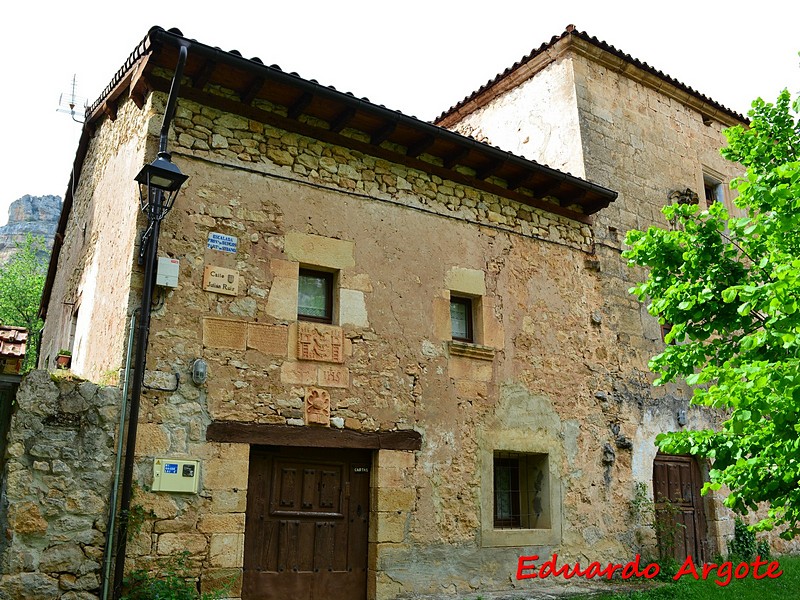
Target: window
[
  {"x": 315, "y": 296},
  {"x": 713, "y": 190},
  {"x": 461, "y": 319},
  {"x": 665, "y": 329},
  {"x": 521, "y": 491}
]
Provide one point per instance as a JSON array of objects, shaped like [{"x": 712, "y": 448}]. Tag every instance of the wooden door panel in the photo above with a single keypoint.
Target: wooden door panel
[
  {"x": 677, "y": 480},
  {"x": 307, "y": 524}
]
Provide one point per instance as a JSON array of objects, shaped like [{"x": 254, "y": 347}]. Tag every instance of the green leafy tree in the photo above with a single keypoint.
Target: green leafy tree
[
  {"x": 730, "y": 288},
  {"x": 21, "y": 284}
]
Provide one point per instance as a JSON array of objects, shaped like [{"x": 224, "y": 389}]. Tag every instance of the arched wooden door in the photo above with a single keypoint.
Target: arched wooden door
[{"x": 681, "y": 522}]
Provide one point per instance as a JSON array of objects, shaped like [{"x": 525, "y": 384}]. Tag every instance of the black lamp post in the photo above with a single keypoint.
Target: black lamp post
[
  {"x": 160, "y": 175},
  {"x": 159, "y": 183}
]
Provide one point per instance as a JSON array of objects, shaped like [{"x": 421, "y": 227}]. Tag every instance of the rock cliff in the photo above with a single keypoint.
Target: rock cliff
[{"x": 37, "y": 215}]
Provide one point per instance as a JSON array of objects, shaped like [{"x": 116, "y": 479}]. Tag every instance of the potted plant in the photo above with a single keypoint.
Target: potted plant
[{"x": 63, "y": 359}]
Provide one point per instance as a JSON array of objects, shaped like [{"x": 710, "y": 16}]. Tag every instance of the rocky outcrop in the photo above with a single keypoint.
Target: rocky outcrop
[{"x": 35, "y": 215}]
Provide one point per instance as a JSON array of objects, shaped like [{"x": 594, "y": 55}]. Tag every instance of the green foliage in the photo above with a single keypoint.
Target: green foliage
[
  {"x": 783, "y": 588},
  {"x": 730, "y": 287},
  {"x": 743, "y": 544},
  {"x": 21, "y": 284},
  {"x": 173, "y": 583}
]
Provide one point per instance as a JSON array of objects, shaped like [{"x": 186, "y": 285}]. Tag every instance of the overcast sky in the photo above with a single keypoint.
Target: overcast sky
[{"x": 416, "y": 56}]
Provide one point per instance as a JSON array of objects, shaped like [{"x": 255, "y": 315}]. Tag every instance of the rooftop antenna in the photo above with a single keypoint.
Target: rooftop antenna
[{"x": 68, "y": 101}]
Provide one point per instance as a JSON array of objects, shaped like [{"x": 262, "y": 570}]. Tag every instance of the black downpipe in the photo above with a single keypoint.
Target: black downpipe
[{"x": 156, "y": 204}]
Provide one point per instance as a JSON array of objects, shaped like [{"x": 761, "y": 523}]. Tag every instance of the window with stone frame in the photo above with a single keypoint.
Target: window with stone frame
[
  {"x": 315, "y": 291},
  {"x": 521, "y": 491},
  {"x": 713, "y": 189},
  {"x": 461, "y": 319}
]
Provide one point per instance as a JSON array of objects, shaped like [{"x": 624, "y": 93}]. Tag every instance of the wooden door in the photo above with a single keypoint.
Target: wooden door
[
  {"x": 680, "y": 518},
  {"x": 307, "y": 523}
]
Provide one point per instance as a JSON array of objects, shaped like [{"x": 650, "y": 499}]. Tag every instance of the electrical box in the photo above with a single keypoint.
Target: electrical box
[
  {"x": 167, "y": 273},
  {"x": 170, "y": 475}
]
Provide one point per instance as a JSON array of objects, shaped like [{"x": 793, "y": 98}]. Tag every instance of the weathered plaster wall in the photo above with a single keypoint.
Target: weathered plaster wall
[
  {"x": 57, "y": 480},
  {"x": 538, "y": 119},
  {"x": 94, "y": 269}
]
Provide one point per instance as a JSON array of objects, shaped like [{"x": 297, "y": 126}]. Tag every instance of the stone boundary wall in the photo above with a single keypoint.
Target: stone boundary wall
[{"x": 56, "y": 488}]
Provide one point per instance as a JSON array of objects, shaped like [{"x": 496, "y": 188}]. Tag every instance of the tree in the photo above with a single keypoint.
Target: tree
[
  {"x": 730, "y": 288},
  {"x": 21, "y": 284}
]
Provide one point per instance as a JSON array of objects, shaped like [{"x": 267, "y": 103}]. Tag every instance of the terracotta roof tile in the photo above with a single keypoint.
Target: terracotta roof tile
[{"x": 13, "y": 341}]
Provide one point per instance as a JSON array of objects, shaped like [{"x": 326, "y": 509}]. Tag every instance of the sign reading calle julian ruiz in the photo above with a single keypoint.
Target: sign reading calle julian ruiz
[{"x": 220, "y": 280}]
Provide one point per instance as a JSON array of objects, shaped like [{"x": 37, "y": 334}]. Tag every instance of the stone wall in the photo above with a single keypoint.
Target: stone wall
[
  {"x": 645, "y": 144},
  {"x": 90, "y": 298},
  {"x": 56, "y": 488},
  {"x": 548, "y": 376}
]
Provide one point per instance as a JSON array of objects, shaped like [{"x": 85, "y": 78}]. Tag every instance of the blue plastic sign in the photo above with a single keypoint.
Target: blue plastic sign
[
  {"x": 171, "y": 468},
  {"x": 222, "y": 242}
]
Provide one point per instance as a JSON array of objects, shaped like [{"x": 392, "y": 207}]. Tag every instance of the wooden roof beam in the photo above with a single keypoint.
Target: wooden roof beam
[
  {"x": 574, "y": 198},
  {"x": 417, "y": 148},
  {"x": 517, "y": 181},
  {"x": 296, "y": 109},
  {"x": 341, "y": 120},
  {"x": 139, "y": 86},
  {"x": 250, "y": 93},
  {"x": 383, "y": 133},
  {"x": 110, "y": 110},
  {"x": 540, "y": 190},
  {"x": 205, "y": 74},
  {"x": 489, "y": 170},
  {"x": 454, "y": 158}
]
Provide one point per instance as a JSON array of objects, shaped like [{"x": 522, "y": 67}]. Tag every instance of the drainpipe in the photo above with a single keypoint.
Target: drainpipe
[
  {"x": 141, "y": 344},
  {"x": 112, "y": 504}
]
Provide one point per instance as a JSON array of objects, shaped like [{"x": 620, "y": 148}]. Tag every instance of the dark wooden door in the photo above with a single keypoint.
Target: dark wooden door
[
  {"x": 307, "y": 524},
  {"x": 680, "y": 518}
]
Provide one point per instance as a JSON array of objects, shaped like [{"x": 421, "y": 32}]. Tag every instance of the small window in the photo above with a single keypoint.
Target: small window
[
  {"x": 665, "y": 329},
  {"x": 521, "y": 491},
  {"x": 713, "y": 190},
  {"x": 461, "y": 319},
  {"x": 315, "y": 296}
]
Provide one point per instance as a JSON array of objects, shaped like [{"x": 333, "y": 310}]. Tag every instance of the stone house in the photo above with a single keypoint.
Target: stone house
[{"x": 422, "y": 358}]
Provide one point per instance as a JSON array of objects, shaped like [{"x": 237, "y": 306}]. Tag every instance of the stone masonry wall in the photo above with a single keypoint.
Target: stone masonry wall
[
  {"x": 645, "y": 145},
  {"x": 662, "y": 145},
  {"x": 543, "y": 378},
  {"x": 90, "y": 293},
  {"x": 56, "y": 487}
]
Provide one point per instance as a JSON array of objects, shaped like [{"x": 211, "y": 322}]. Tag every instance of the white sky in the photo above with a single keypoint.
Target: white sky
[{"x": 419, "y": 57}]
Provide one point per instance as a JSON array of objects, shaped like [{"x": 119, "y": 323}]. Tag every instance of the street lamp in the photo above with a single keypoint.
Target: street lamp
[{"x": 161, "y": 174}]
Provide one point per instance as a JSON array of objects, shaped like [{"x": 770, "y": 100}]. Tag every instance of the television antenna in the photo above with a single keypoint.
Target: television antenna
[{"x": 69, "y": 100}]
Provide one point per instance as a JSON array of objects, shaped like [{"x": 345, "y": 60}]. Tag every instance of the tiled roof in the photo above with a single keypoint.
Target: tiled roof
[
  {"x": 571, "y": 30},
  {"x": 13, "y": 341}
]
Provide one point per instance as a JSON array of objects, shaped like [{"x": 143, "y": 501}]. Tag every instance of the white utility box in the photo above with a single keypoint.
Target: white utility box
[
  {"x": 167, "y": 273},
  {"x": 171, "y": 475}
]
